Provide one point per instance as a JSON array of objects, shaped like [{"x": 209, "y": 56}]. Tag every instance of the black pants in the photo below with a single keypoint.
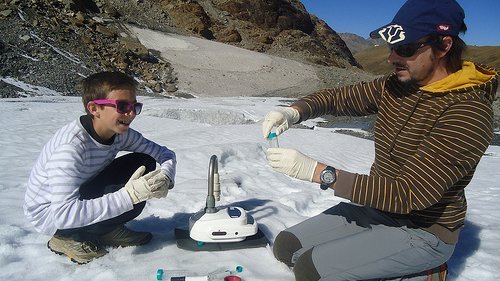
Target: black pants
[{"x": 111, "y": 179}]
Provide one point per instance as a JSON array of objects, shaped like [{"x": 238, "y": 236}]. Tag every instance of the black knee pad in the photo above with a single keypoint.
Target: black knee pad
[
  {"x": 304, "y": 268},
  {"x": 284, "y": 246}
]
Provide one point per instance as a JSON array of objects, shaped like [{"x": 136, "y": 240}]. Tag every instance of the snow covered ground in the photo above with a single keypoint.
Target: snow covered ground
[{"x": 196, "y": 129}]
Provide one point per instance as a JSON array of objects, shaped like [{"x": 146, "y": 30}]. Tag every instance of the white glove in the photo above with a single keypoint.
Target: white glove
[
  {"x": 282, "y": 119},
  {"x": 152, "y": 185},
  {"x": 291, "y": 162}
]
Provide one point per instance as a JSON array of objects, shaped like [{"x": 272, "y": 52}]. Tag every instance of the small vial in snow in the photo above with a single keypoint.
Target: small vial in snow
[
  {"x": 272, "y": 138},
  {"x": 169, "y": 275}
]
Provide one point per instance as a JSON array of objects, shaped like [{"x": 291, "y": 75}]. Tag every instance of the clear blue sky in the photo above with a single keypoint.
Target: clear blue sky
[{"x": 360, "y": 17}]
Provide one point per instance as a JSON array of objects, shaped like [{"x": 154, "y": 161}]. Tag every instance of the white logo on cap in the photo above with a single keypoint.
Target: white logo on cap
[
  {"x": 392, "y": 34},
  {"x": 443, "y": 27}
]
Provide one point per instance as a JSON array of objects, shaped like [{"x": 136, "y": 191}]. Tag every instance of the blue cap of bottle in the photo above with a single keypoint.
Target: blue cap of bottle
[
  {"x": 159, "y": 274},
  {"x": 272, "y": 135}
]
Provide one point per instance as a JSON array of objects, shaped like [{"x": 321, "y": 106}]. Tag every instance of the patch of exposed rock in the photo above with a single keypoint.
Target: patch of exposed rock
[{"x": 54, "y": 43}]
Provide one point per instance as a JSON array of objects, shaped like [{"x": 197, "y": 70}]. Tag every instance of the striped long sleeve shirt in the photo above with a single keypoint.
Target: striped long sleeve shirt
[
  {"x": 428, "y": 143},
  {"x": 69, "y": 159}
]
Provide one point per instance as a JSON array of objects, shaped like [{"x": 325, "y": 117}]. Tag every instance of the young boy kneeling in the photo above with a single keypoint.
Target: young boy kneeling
[{"x": 82, "y": 195}]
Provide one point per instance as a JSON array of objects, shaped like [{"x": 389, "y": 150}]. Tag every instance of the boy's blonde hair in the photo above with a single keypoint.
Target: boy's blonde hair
[{"x": 99, "y": 85}]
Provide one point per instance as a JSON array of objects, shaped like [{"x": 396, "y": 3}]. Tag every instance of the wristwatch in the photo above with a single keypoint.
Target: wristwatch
[{"x": 328, "y": 176}]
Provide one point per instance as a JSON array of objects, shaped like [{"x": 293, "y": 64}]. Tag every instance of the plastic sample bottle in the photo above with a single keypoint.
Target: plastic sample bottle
[
  {"x": 218, "y": 274},
  {"x": 225, "y": 274},
  {"x": 162, "y": 274},
  {"x": 272, "y": 138},
  {"x": 185, "y": 275}
]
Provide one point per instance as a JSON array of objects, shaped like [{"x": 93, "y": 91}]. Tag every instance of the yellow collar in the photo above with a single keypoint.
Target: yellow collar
[{"x": 468, "y": 76}]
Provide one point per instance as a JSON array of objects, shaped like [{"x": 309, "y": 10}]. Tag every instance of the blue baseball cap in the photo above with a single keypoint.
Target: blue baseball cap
[{"x": 419, "y": 18}]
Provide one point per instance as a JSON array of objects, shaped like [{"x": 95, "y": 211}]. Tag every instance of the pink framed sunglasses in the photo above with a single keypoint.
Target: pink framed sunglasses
[{"x": 122, "y": 106}]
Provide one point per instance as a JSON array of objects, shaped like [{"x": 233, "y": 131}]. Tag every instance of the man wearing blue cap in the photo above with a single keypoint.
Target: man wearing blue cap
[{"x": 434, "y": 122}]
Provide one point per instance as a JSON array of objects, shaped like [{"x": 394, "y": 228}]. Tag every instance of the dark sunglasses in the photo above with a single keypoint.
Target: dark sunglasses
[
  {"x": 408, "y": 50},
  {"x": 122, "y": 106}
]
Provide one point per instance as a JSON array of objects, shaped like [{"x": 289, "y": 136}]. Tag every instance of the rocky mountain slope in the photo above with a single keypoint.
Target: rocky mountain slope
[
  {"x": 356, "y": 43},
  {"x": 53, "y": 43}
]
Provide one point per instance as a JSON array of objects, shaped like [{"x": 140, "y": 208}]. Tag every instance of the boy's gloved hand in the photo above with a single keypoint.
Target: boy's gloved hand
[
  {"x": 291, "y": 162},
  {"x": 282, "y": 119},
  {"x": 152, "y": 185}
]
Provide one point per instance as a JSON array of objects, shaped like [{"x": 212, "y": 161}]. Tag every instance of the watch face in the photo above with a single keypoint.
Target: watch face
[{"x": 327, "y": 176}]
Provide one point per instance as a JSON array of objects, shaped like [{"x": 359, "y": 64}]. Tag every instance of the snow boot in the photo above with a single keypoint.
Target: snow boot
[
  {"x": 124, "y": 237},
  {"x": 77, "y": 251}
]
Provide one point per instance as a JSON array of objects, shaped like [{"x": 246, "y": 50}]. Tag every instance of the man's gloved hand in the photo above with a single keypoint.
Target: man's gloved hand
[
  {"x": 152, "y": 185},
  {"x": 282, "y": 119},
  {"x": 291, "y": 162}
]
